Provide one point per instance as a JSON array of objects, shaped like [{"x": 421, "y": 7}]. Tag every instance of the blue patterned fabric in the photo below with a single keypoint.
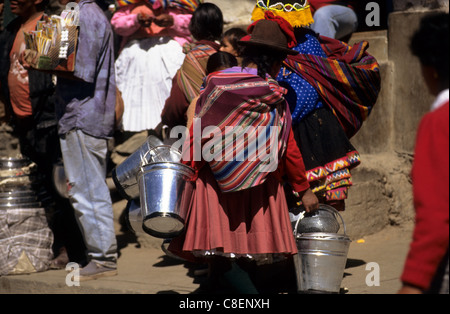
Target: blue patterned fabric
[{"x": 302, "y": 96}]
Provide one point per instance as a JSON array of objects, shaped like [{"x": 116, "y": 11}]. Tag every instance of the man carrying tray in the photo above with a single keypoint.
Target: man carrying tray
[
  {"x": 85, "y": 107},
  {"x": 85, "y": 101}
]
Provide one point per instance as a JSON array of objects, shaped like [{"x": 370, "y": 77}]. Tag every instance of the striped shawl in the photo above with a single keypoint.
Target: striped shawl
[
  {"x": 348, "y": 80},
  {"x": 249, "y": 121},
  {"x": 191, "y": 74}
]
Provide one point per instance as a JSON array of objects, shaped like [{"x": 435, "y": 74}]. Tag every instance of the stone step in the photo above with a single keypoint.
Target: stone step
[
  {"x": 381, "y": 194},
  {"x": 378, "y": 43}
]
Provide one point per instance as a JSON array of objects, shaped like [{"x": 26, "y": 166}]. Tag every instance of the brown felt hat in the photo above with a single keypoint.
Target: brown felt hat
[{"x": 271, "y": 34}]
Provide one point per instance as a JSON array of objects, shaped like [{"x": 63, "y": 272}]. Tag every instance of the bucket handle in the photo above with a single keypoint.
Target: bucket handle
[
  {"x": 145, "y": 157},
  {"x": 326, "y": 208}
]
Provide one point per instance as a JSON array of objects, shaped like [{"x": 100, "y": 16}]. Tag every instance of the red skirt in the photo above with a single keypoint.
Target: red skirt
[{"x": 249, "y": 223}]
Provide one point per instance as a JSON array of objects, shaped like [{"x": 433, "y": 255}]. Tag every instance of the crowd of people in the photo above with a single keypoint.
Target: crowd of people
[{"x": 147, "y": 66}]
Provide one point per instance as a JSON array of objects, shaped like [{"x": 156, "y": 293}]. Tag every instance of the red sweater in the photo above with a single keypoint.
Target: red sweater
[
  {"x": 316, "y": 4},
  {"x": 430, "y": 175}
]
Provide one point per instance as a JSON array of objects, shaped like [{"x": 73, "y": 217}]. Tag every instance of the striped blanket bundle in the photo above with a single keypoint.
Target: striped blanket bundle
[
  {"x": 348, "y": 80},
  {"x": 256, "y": 112}
]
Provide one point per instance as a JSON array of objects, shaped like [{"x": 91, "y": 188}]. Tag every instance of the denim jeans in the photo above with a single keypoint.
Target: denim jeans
[
  {"x": 85, "y": 161},
  {"x": 335, "y": 21}
]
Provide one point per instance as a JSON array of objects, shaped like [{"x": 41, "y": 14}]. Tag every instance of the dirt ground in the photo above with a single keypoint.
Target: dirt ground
[{"x": 374, "y": 266}]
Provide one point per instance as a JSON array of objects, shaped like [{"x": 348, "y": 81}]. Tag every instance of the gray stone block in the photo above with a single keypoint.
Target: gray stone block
[{"x": 411, "y": 5}]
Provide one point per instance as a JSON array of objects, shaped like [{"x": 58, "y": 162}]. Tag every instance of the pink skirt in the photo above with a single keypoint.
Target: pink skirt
[{"x": 249, "y": 223}]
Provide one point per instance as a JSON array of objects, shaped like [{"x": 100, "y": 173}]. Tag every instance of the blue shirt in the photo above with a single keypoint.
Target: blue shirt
[
  {"x": 88, "y": 104},
  {"x": 301, "y": 97}
]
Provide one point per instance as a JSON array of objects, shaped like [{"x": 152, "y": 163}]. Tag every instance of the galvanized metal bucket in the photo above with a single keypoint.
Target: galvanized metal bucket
[
  {"x": 321, "y": 260},
  {"x": 125, "y": 174},
  {"x": 134, "y": 217},
  {"x": 166, "y": 190}
]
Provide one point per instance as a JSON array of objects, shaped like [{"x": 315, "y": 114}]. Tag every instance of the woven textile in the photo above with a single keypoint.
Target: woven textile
[
  {"x": 348, "y": 80},
  {"x": 190, "y": 5},
  {"x": 191, "y": 74},
  {"x": 251, "y": 130},
  {"x": 122, "y": 3}
]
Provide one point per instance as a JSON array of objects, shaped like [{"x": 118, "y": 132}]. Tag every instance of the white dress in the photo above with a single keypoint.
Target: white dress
[{"x": 144, "y": 73}]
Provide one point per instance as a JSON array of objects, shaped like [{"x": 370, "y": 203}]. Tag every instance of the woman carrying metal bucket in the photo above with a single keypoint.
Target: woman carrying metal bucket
[
  {"x": 332, "y": 89},
  {"x": 241, "y": 146}
]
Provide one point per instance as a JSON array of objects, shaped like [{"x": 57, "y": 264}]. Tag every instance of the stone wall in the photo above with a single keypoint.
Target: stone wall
[
  {"x": 417, "y": 5},
  {"x": 404, "y": 98},
  {"x": 237, "y": 13},
  {"x": 382, "y": 191}
]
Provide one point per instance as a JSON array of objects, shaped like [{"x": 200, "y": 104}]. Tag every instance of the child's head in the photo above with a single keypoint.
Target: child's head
[
  {"x": 429, "y": 45},
  {"x": 230, "y": 41},
  {"x": 206, "y": 22},
  {"x": 219, "y": 61}
]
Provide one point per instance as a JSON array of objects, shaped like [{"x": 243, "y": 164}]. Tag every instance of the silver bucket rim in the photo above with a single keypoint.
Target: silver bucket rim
[
  {"x": 145, "y": 168},
  {"x": 151, "y": 153},
  {"x": 323, "y": 236},
  {"x": 19, "y": 200},
  {"x": 164, "y": 235},
  {"x": 7, "y": 163},
  {"x": 20, "y": 206},
  {"x": 18, "y": 193}
]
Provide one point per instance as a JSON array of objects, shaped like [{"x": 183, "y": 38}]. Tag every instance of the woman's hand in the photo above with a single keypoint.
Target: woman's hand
[
  {"x": 164, "y": 20},
  {"x": 310, "y": 201},
  {"x": 144, "y": 20}
]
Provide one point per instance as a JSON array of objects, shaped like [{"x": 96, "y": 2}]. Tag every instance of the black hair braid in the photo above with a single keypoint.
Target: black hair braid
[{"x": 264, "y": 59}]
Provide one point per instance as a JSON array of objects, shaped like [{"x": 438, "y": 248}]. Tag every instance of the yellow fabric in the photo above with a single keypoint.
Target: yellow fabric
[
  {"x": 24, "y": 265},
  {"x": 300, "y": 18}
]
